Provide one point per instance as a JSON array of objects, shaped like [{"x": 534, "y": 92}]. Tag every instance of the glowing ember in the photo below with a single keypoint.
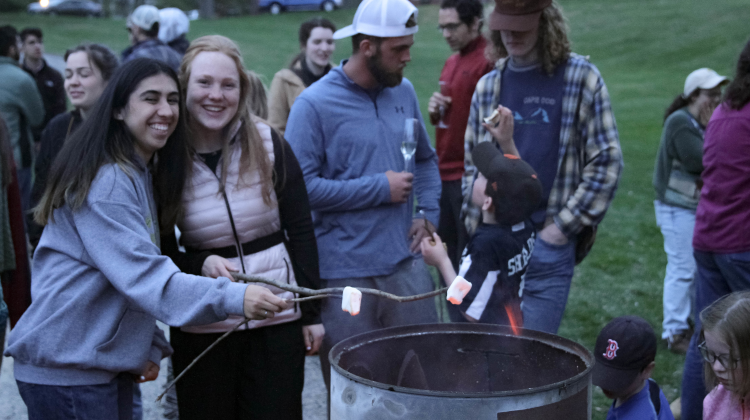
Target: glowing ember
[
  {"x": 514, "y": 317},
  {"x": 458, "y": 290},
  {"x": 352, "y": 299},
  {"x": 44, "y": 3}
]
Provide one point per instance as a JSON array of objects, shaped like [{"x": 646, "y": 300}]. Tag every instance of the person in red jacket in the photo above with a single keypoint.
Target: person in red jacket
[{"x": 460, "y": 22}]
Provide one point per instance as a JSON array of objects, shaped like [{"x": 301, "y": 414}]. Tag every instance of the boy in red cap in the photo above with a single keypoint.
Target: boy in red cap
[{"x": 625, "y": 351}]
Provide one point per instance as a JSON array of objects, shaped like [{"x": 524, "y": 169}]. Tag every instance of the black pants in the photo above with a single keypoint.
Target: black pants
[
  {"x": 451, "y": 229},
  {"x": 256, "y": 374}
]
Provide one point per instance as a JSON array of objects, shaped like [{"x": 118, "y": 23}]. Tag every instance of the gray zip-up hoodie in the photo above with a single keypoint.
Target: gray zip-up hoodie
[{"x": 99, "y": 282}]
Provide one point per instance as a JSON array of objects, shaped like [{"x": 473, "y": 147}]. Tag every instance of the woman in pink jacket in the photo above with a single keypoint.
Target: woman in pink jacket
[{"x": 244, "y": 208}]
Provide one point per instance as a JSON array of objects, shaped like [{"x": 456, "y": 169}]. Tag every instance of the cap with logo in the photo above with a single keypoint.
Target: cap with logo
[
  {"x": 704, "y": 78},
  {"x": 623, "y": 348},
  {"x": 381, "y": 18},
  {"x": 144, "y": 17},
  {"x": 511, "y": 183},
  {"x": 516, "y": 15}
]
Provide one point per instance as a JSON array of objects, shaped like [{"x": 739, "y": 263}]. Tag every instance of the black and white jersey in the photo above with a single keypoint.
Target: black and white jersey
[{"x": 494, "y": 262}]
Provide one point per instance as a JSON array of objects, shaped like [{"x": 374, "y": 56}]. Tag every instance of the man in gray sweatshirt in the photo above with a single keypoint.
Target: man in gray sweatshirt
[{"x": 347, "y": 130}]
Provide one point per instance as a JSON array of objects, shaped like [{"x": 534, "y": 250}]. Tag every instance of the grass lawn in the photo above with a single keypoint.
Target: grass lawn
[{"x": 644, "y": 50}]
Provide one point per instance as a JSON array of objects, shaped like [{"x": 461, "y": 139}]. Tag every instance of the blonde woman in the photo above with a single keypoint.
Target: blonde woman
[{"x": 244, "y": 208}]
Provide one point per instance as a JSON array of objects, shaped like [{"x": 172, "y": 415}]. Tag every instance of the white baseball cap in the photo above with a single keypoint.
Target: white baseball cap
[
  {"x": 144, "y": 17},
  {"x": 704, "y": 78},
  {"x": 381, "y": 18},
  {"x": 173, "y": 22}
]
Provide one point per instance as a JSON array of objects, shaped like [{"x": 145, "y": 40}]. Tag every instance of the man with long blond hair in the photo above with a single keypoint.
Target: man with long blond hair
[{"x": 564, "y": 128}]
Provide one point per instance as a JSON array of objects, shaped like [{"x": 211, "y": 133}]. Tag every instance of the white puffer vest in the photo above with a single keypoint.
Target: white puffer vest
[{"x": 206, "y": 225}]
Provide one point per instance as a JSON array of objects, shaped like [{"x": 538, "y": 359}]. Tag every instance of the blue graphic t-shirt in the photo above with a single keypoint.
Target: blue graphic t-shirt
[{"x": 535, "y": 98}]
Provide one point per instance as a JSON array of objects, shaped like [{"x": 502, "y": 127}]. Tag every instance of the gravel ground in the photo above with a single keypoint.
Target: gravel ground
[{"x": 313, "y": 396}]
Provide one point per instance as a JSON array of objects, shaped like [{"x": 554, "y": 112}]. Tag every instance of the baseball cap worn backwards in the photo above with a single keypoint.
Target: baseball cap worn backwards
[
  {"x": 144, "y": 17},
  {"x": 511, "y": 183},
  {"x": 623, "y": 348},
  {"x": 382, "y": 18},
  {"x": 704, "y": 78},
  {"x": 516, "y": 15}
]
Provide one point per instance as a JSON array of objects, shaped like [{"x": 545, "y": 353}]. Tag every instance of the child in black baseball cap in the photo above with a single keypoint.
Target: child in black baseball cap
[
  {"x": 625, "y": 351},
  {"x": 508, "y": 192}
]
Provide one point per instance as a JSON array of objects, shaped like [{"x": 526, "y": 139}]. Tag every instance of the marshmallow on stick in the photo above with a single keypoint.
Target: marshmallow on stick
[
  {"x": 458, "y": 290},
  {"x": 352, "y": 299}
]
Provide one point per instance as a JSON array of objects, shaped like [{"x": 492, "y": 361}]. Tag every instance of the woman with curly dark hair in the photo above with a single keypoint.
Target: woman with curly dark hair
[{"x": 722, "y": 220}]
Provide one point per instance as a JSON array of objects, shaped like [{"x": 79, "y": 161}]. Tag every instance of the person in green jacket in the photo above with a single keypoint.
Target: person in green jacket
[
  {"x": 22, "y": 108},
  {"x": 677, "y": 182}
]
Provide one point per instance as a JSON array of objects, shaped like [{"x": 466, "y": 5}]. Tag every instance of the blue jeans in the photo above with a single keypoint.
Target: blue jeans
[
  {"x": 677, "y": 225},
  {"x": 113, "y": 400},
  {"x": 546, "y": 285},
  {"x": 718, "y": 275}
]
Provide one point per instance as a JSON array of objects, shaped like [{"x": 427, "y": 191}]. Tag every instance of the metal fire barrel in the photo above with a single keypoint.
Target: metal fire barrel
[{"x": 459, "y": 371}]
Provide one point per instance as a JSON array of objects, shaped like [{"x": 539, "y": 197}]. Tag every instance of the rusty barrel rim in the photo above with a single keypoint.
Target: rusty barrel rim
[{"x": 552, "y": 340}]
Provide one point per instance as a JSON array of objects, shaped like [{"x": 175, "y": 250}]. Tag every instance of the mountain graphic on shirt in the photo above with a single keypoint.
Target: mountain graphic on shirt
[{"x": 536, "y": 117}]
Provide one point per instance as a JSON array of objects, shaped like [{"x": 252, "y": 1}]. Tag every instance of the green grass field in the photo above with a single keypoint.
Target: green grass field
[{"x": 644, "y": 50}]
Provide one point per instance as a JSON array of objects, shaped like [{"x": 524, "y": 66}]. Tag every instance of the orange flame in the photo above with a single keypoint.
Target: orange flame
[{"x": 515, "y": 318}]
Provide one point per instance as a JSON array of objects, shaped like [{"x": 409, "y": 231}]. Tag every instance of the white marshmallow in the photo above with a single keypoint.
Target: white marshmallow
[
  {"x": 351, "y": 301},
  {"x": 458, "y": 290}
]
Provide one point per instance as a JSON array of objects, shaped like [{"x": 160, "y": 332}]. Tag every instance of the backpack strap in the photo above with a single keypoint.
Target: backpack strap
[{"x": 654, "y": 390}]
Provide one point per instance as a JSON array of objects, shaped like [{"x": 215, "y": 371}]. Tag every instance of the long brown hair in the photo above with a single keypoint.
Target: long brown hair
[
  {"x": 737, "y": 94},
  {"x": 552, "y": 43},
  {"x": 254, "y": 156},
  {"x": 681, "y": 102},
  {"x": 729, "y": 319}
]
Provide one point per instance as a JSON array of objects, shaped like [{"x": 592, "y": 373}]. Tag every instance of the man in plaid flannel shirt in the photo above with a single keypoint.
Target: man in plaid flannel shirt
[{"x": 558, "y": 93}]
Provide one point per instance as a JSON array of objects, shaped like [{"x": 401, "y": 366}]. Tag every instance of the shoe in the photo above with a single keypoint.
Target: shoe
[{"x": 679, "y": 343}]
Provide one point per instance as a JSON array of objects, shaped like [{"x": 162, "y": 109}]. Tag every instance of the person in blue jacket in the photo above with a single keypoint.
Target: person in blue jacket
[
  {"x": 99, "y": 279},
  {"x": 346, "y": 130}
]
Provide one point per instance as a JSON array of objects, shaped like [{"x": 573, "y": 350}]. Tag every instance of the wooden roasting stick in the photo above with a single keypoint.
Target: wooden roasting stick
[
  {"x": 332, "y": 291},
  {"x": 312, "y": 294},
  {"x": 430, "y": 232}
]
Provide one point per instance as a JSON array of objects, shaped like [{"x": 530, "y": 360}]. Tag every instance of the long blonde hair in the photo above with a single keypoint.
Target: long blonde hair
[
  {"x": 729, "y": 319},
  {"x": 552, "y": 42},
  {"x": 254, "y": 156}
]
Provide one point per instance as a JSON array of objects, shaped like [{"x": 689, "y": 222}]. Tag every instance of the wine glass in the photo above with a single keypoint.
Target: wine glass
[{"x": 409, "y": 143}]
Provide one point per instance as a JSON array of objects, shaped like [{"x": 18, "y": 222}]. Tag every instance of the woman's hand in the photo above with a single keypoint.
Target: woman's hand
[
  {"x": 215, "y": 266},
  {"x": 313, "y": 335},
  {"x": 150, "y": 373},
  {"x": 502, "y": 132},
  {"x": 261, "y": 303}
]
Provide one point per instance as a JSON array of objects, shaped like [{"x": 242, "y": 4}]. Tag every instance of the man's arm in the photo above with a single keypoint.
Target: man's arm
[
  {"x": 602, "y": 160},
  {"x": 30, "y": 101},
  {"x": 306, "y": 136}
]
